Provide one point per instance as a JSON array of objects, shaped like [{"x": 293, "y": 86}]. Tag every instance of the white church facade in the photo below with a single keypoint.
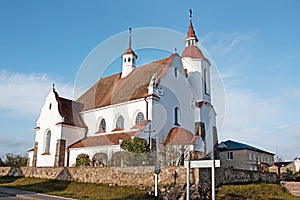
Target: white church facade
[{"x": 166, "y": 102}]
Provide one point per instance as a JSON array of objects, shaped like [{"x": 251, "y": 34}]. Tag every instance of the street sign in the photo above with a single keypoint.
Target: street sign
[
  {"x": 157, "y": 169},
  {"x": 202, "y": 163}
]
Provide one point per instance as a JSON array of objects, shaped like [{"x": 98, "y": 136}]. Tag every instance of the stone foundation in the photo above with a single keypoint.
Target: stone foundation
[{"x": 141, "y": 177}]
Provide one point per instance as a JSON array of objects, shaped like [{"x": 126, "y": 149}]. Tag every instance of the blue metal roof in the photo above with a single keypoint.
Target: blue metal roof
[{"x": 232, "y": 145}]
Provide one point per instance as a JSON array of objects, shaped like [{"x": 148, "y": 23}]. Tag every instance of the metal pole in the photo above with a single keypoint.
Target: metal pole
[
  {"x": 213, "y": 191},
  {"x": 156, "y": 185},
  {"x": 188, "y": 181}
]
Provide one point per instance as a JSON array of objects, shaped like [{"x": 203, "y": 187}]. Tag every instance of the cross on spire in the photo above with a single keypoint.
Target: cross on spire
[
  {"x": 129, "y": 42},
  {"x": 191, "y": 14}
]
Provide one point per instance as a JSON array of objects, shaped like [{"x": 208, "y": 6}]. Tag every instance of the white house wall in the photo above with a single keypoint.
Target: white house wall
[
  {"x": 128, "y": 110},
  {"x": 47, "y": 121},
  {"x": 91, "y": 151},
  {"x": 195, "y": 68},
  {"x": 176, "y": 93}
]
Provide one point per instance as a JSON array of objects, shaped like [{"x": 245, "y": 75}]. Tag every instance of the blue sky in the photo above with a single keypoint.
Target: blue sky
[{"x": 255, "y": 45}]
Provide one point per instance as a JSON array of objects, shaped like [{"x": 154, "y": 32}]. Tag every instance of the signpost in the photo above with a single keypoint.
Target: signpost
[
  {"x": 201, "y": 164},
  {"x": 156, "y": 171}
]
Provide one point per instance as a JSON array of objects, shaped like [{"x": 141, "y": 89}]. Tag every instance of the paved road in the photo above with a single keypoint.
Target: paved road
[
  {"x": 6, "y": 193},
  {"x": 293, "y": 188}
]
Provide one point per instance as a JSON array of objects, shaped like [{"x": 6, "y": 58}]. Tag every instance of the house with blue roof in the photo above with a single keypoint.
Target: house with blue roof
[{"x": 243, "y": 156}]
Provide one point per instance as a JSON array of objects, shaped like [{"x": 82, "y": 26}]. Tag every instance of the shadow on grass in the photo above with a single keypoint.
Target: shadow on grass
[{"x": 8, "y": 179}]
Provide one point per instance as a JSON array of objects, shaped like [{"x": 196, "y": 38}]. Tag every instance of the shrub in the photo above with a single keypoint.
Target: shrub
[{"x": 82, "y": 160}]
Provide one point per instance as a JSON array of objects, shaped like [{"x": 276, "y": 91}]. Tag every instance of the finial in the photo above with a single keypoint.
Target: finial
[
  {"x": 191, "y": 14},
  {"x": 129, "y": 42},
  {"x": 53, "y": 87},
  {"x": 175, "y": 50}
]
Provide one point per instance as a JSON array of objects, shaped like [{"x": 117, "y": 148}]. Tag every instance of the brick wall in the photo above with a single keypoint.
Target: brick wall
[{"x": 141, "y": 177}]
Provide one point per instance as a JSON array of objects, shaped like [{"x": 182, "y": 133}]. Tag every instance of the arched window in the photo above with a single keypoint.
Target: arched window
[
  {"x": 176, "y": 116},
  {"x": 139, "y": 118},
  {"x": 124, "y": 59},
  {"x": 47, "y": 141},
  {"x": 102, "y": 125},
  {"x": 120, "y": 122},
  {"x": 175, "y": 72},
  {"x": 129, "y": 59},
  {"x": 205, "y": 80}
]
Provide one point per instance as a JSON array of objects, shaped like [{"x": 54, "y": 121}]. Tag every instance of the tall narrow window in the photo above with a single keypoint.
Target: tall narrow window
[
  {"x": 47, "y": 141},
  {"x": 176, "y": 72},
  {"x": 176, "y": 116},
  {"x": 102, "y": 126},
  {"x": 120, "y": 122},
  {"x": 139, "y": 118},
  {"x": 205, "y": 80}
]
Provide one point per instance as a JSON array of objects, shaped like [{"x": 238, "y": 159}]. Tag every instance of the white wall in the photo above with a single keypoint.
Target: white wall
[
  {"x": 176, "y": 93},
  {"x": 91, "y": 151},
  {"x": 128, "y": 110},
  {"x": 30, "y": 157},
  {"x": 47, "y": 121}
]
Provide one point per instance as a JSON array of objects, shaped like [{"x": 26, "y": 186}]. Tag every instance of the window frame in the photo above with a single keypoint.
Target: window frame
[
  {"x": 229, "y": 155},
  {"x": 120, "y": 119},
  {"x": 139, "y": 118},
  {"x": 102, "y": 125},
  {"x": 47, "y": 143}
]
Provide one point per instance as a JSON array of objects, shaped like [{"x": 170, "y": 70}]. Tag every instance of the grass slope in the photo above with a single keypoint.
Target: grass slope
[
  {"x": 259, "y": 191},
  {"x": 73, "y": 189}
]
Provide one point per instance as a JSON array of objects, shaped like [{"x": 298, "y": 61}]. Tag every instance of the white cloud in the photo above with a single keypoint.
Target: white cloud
[
  {"x": 261, "y": 122},
  {"x": 223, "y": 44},
  {"x": 23, "y": 94}
]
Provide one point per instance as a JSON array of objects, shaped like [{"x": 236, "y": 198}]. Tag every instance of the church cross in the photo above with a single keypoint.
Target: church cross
[
  {"x": 190, "y": 14},
  {"x": 149, "y": 135}
]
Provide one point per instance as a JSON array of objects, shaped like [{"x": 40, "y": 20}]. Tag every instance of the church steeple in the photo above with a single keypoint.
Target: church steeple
[
  {"x": 129, "y": 58},
  {"x": 191, "y": 38},
  {"x": 191, "y": 41}
]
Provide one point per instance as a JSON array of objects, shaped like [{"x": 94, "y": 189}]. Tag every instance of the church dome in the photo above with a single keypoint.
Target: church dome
[{"x": 193, "y": 52}]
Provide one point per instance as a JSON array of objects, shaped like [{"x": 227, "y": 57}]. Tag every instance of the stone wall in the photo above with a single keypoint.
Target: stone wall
[{"x": 141, "y": 177}]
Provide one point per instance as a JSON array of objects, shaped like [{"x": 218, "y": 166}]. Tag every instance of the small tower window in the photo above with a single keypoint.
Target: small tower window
[
  {"x": 47, "y": 141},
  {"x": 120, "y": 122},
  {"x": 124, "y": 59},
  {"x": 176, "y": 72},
  {"x": 205, "y": 80},
  {"x": 139, "y": 118},
  {"x": 129, "y": 59},
  {"x": 102, "y": 126},
  {"x": 50, "y": 106},
  {"x": 133, "y": 60},
  {"x": 176, "y": 116}
]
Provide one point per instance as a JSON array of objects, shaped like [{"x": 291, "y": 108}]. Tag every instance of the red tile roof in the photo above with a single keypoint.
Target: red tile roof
[
  {"x": 101, "y": 140},
  {"x": 70, "y": 111},
  {"x": 139, "y": 126},
  {"x": 112, "y": 90},
  {"x": 191, "y": 32},
  {"x": 193, "y": 52},
  {"x": 178, "y": 136}
]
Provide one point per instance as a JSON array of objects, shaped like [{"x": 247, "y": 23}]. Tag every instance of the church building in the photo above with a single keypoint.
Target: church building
[{"x": 166, "y": 102}]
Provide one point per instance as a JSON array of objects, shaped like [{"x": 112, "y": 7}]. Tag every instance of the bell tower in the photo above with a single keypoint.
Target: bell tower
[{"x": 128, "y": 58}]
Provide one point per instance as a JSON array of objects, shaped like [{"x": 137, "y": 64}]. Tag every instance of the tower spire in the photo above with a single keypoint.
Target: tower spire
[
  {"x": 129, "y": 42},
  {"x": 129, "y": 58},
  {"x": 191, "y": 36}
]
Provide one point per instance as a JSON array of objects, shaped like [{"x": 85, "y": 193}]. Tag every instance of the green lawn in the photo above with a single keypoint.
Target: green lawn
[
  {"x": 73, "y": 189},
  {"x": 259, "y": 191}
]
